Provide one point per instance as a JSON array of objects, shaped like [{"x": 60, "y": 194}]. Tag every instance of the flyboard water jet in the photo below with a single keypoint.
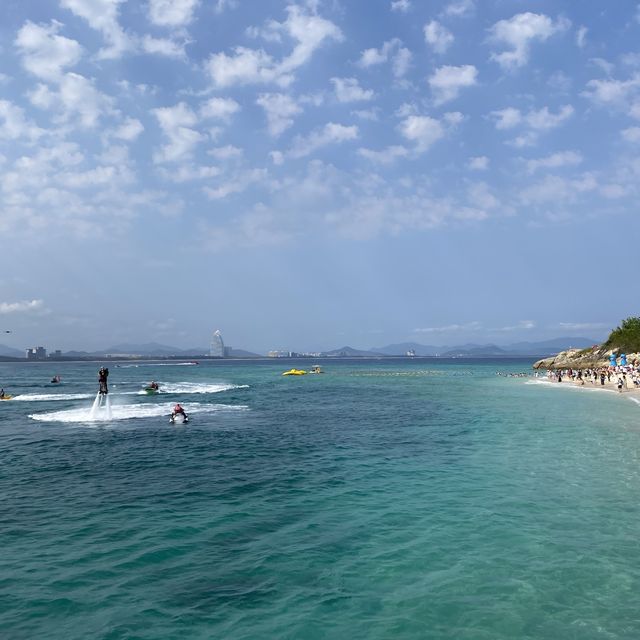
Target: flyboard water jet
[{"x": 102, "y": 404}]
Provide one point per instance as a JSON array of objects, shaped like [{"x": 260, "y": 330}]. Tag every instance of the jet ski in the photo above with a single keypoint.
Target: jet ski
[
  {"x": 6, "y": 397},
  {"x": 179, "y": 418}
]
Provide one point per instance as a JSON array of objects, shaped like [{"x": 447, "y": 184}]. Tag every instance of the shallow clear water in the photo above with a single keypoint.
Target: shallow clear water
[{"x": 383, "y": 499}]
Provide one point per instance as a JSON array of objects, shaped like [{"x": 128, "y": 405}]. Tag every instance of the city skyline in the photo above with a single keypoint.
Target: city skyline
[{"x": 311, "y": 174}]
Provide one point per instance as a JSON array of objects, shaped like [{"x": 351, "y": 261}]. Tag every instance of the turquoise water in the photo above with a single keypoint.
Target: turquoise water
[{"x": 383, "y": 499}]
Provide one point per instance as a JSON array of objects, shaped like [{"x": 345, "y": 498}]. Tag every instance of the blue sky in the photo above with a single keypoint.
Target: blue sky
[{"x": 309, "y": 174}]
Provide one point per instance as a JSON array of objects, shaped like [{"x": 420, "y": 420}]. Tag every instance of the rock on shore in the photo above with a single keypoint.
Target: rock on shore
[{"x": 582, "y": 359}]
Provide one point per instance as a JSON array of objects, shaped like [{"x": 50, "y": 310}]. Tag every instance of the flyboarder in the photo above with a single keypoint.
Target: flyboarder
[{"x": 103, "y": 374}]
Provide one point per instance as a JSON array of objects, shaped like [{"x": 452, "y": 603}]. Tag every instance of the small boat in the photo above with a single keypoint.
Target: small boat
[
  {"x": 295, "y": 372},
  {"x": 316, "y": 369},
  {"x": 6, "y": 397}
]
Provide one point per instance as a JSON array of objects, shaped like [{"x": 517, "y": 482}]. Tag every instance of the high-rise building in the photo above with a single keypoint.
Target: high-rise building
[
  {"x": 216, "y": 349},
  {"x": 36, "y": 353}
]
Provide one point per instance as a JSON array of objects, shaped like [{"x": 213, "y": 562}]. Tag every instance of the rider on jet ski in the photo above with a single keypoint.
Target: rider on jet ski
[{"x": 178, "y": 410}]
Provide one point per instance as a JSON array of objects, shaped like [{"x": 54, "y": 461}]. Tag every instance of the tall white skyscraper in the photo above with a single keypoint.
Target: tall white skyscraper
[{"x": 216, "y": 348}]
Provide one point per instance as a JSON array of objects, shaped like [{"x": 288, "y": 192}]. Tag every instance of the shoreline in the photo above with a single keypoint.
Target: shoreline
[{"x": 610, "y": 386}]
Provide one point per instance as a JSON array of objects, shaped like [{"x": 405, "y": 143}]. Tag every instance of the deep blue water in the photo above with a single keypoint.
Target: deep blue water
[{"x": 382, "y": 499}]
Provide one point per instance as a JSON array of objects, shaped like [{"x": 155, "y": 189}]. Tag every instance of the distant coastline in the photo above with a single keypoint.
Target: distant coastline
[{"x": 268, "y": 359}]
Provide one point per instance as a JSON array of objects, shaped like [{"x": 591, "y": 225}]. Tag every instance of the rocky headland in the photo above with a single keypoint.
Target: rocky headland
[{"x": 593, "y": 358}]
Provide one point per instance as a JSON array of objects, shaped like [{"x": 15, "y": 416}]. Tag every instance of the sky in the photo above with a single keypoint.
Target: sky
[{"x": 311, "y": 174}]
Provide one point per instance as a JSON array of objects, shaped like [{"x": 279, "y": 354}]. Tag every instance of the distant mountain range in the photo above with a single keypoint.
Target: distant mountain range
[
  {"x": 545, "y": 347},
  {"x": 471, "y": 350},
  {"x": 11, "y": 352}
]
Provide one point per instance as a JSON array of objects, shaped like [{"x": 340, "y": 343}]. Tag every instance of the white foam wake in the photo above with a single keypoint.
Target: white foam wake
[
  {"x": 129, "y": 412},
  {"x": 195, "y": 387},
  {"x": 50, "y": 397},
  {"x": 156, "y": 364}
]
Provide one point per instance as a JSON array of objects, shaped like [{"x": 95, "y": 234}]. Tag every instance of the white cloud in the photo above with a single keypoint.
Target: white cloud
[
  {"x": 479, "y": 163},
  {"x": 581, "y": 36},
  {"x": 519, "y": 32},
  {"x": 190, "y": 173},
  {"x": 44, "y": 53},
  {"x": 280, "y": 110},
  {"x": 558, "y": 191},
  {"x": 400, "y": 5},
  {"x": 481, "y": 198},
  {"x": 25, "y": 306},
  {"x": 632, "y": 134},
  {"x": 560, "y": 82},
  {"x": 385, "y": 156},
  {"x": 390, "y": 50},
  {"x": 250, "y": 66},
  {"x": 15, "y": 126},
  {"x": 534, "y": 122},
  {"x": 246, "y": 66},
  {"x": 222, "y": 5},
  {"x": 613, "y": 191},
  {"x": 555, "y": 161},
  {"x": 236, "y": 184},
  {"x": 76, "y": 100},
  {"x": 219, "y": 108},
  {"x": 331, "y": 133},
  {"x": 439, "y": 37},
  {"x": 507, "y": 118},
  {"x": 447, "y": 81},
  {"x": 401, "y": 62},
  {"x": 177, "y": 124},
  {"x": 163, "y": 47},
  {"x": 229, "y": 152},
  {"x": 277, "y": 157},
  {"x": 348, "y": 90},
  {"x": 102, "y": 15},
  {"x": 367, "y": 114},
  {"x": 422, "y": 130},
  {"x": 543, "y": 119},
  {"x": 371, "y": 57},
  {"x": 460, "y": 9},
  {"x": 616, "y": 93},
  {"x": 129, "y": 130},
  {"x": 172, "y": 13},
  {"x": 60, "y": 192}
]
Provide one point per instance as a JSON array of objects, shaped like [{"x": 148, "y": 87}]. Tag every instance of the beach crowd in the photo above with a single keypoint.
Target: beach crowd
[{"x": 622, "y": 377}]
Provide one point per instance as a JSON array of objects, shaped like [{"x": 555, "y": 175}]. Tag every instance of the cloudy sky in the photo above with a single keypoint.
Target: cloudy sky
[{"x": 315, "y": 173}]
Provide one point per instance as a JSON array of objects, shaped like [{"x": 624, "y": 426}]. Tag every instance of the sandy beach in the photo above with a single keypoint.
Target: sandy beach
[{"x": 628, "y": 387}]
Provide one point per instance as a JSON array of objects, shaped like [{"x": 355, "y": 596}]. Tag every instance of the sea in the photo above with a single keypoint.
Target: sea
[{"x": 381, "y": 499}]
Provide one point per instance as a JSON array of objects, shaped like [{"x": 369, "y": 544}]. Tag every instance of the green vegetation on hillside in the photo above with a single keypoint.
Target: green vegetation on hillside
[{"x": 626, "y": 337}]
